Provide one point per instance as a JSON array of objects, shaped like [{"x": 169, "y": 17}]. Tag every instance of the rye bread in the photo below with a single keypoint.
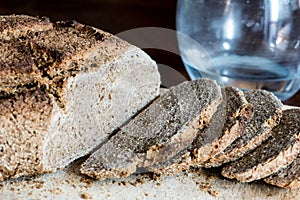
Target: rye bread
[
  {"x": 227, "y": 124},
  {"x": 174, "y": 166},
  {"x": 276, "y": 153},
  {"x": 65, "y": 87},
  {"x": 288, "y": 177},
  {"x": 16, "y": 26},
  {"x": 157, "y": 134},
  {"x": 267, "y": 113}
]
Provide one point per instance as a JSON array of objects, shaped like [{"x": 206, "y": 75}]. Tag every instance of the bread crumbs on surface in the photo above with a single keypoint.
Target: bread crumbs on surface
[
  {"x": 207, "y": 187},
  {"x": 210, "y": 177},
  {"x": 68, "y": 181},
  {"x": 56, "y": 191},
  {"x": 146, "y": 194},
  {"x": 123, "y": 183},
  {"x": 84, "y": 196},
  {"x": 40, "y": 184},
  {"x": 133, "y": 183},
  {"x": 140, "y": 180},
  {"x": 89, "y": 182},
  {"x": 213, "y": 193}
]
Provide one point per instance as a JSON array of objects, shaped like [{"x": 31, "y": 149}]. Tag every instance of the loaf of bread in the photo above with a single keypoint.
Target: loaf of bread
[
  {"x": 157, "y": 134},
  {"x": 67, "y": 90},
  {"x": 64, "y": 88}
]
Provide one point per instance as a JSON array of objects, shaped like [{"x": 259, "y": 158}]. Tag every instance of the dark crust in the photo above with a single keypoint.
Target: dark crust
[
  {"x": 283, "y": 136},
  {"x": 23, "y": 24},
  {"x": 44, "y": 55}
]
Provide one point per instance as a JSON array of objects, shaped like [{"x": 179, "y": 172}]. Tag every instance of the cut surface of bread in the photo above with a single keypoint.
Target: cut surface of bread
[
  {"x": 64, "y": 88},
  {"x": 226, "y": 125},
  {"x": 289, "y": 177},
  {"x": 174, "y": 166},
  {"x": 276, "y": 153},
  {"x": 267, "y": 113},
  {"x": 158, "y": 133}
]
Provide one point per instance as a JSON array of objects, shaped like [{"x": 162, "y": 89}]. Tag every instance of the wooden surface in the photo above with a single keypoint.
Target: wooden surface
[{"x": 113, "y": 16}]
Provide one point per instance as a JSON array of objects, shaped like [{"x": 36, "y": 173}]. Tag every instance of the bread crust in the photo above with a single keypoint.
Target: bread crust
[
  {"x": 16, "y": 26},
  {"x": 227, "y": 124},
  {"x": 288, "y": 177},
  {"x": 267, "y": 114},
  {"x": 276, "y": 153},
  {"x": 88, "y": 77}
]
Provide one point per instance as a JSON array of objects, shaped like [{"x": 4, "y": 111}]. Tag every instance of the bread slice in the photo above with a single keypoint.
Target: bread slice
[
  {"x": 226, "y": 125},
  {"x": 274, "y": 154},
  {"x": 174, "y": 166},
  {"x": 157, "y": 134},
  {"x": 267, "y": 113},
  {"x": 288, "y": 177},
  {"x": 75, "y": 86}
]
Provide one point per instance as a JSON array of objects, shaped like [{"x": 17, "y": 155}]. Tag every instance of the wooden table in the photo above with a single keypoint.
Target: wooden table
[{"x": 114, "y": 16}]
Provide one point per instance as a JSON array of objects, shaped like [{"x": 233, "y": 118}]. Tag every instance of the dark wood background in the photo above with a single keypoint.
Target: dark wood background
[{"x": 114, "y": 16}]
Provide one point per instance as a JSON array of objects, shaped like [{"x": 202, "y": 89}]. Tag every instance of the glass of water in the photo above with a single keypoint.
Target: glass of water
[{"x": 251, "y": 44}]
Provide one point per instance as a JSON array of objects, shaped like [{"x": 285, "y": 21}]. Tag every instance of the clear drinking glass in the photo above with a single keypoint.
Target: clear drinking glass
[{"x": 251, "y": 44}]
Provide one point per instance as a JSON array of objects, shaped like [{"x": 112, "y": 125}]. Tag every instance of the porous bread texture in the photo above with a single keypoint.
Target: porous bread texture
[
  {"x": 174, "y": 166},
  {"x": 267, "y": 114},
  {"x": 226, "y": 125},
  {"x": 276, "y": 153},
  {"x": 78, "y": 85},
  {"x": 157, "y": 134},
  {"x": 289, "y": 177}
]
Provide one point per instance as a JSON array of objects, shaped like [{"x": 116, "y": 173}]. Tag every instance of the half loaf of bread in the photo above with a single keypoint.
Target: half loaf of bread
[{"x": 64, "y": 88}]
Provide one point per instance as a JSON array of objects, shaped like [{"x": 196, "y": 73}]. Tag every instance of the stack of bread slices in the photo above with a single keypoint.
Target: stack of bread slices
[{"x": 68, "y": 90}]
